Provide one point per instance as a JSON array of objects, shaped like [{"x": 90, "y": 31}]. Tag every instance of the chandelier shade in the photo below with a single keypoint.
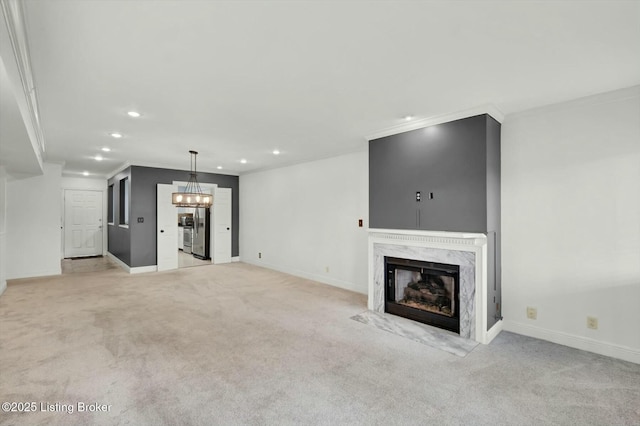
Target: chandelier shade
[{"x": 192, "y": 196}]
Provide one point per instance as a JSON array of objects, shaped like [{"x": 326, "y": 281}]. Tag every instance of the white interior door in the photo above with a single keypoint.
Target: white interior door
[
  {"x": 167, "y": 228},
  {"x": 221, "y": 252},
  {"x": 82, "y": 223}
]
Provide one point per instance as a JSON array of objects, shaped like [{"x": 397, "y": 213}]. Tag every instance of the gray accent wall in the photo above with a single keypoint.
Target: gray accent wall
[
  {"x": 119, "y": 238},
  {"x": 459, "y": 164},
  {"x": 494, "y": 292},
  {"x": 137, "y": 246}
]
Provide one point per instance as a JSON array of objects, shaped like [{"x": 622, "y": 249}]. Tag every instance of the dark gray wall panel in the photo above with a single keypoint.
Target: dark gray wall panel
[
  {"x": 447, "y": 159},
  {"x": 136, "y": 245},
  {"x": 119, "y": 238},
  {"x": 144, "y": 194},
  {"x": 459, "y": 162},
  {"x": 494, "y": 298}
]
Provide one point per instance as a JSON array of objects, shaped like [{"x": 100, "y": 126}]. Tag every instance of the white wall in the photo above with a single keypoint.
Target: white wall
[
  {"x": 33, "y": 224},
  {"x": 3, "y": 228},
  {"x": 571, "y": 222},
  {"x": 304, "y": 219},
  {"x": 90, "y": 184}
]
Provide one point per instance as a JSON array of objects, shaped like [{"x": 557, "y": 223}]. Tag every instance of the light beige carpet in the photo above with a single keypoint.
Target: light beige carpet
[{"x": 238, "y": 344}]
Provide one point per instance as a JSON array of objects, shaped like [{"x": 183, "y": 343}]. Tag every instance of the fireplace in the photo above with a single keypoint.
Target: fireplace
[{"x": 423, "y": 291}]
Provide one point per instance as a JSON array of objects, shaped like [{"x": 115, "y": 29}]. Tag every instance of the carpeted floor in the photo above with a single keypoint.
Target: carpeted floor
[{"x": 237, "y": 344}]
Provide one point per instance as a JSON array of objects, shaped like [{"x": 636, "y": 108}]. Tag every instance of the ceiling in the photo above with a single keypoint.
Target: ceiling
[{"x": 312, "y": 79}]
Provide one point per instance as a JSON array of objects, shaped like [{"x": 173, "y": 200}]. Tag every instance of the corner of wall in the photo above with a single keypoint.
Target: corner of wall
[{"x": 3, "y": 244}]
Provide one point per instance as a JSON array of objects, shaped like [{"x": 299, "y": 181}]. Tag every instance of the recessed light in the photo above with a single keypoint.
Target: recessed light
[
  {"x": 116, "y": 135},
  {"x": 106, "y": 149},
  {"x": 219, "y": 167},
  {"x": 86, "y": 173},
  {"x": 133, "y": 114},
  {"x": 276, "y": 152},
  {"x": 98, "y": 158},
  {"x": 243, "y": 161},
  {"x": 408, "y": 117}
]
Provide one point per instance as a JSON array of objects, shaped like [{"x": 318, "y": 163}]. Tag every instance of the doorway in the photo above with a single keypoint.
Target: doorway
[
  {"x": 82, "y": 223},
  {"x": 172, "y": 226}
]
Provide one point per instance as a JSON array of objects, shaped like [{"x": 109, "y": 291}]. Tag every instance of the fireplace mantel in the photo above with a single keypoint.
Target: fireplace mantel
[{"x": 468, "y": 250}]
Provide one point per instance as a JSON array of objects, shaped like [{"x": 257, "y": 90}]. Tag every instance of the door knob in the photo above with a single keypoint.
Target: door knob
[
  {"x": 227, "y": 229},
  {"x": 162, "y": 230}
]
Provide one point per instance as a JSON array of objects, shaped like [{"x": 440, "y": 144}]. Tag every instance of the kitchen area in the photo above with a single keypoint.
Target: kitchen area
[{"x": 193, "y": 237}]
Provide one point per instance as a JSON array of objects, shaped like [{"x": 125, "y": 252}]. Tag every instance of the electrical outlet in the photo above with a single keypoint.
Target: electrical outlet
[
  {"x": 326, "y": 269},
  {"x": 532, "y": 313},
  {"x": 259, "y": 255},
  {"x": 592, "y": 323}
]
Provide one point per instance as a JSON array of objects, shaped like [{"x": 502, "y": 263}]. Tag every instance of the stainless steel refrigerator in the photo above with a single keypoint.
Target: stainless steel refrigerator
[{"x": 201, "y": 225}]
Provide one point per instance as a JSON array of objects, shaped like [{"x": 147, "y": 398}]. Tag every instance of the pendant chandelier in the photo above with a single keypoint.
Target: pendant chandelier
[{"x": 192, "y": 196}]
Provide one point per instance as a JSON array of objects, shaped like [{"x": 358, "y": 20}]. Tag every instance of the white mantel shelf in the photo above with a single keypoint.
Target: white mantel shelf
[{"x": 466, "y": 249}]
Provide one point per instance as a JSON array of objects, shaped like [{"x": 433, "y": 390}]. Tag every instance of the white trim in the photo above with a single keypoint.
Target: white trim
[
  {"x": 600, "y": 98},
  {"x": 235, "y": 259},
  {"x": 36, "y": 274},
  {"x": 132, "y": 270},
  {"x": 118, "y": 261},
  {"x": 314, "y": 277},
  {"x": 16, "y": 28},
  {"x": 119, "y": 169},
  {"x": 494, "y": 331},
  {"x": 579, "y": 342},
  {"x": 490, "y": 109},
  {"x": 143, "y": 269}
]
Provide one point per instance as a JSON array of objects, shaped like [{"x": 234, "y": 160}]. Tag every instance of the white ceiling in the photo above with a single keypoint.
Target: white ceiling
[{"x": 239, "y": 79}]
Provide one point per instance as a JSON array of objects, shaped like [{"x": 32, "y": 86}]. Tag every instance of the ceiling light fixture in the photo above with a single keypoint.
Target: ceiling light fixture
[
  {"x": 276, "y": 152},
  {"x": 243, "y": 161},
  {"x": 116, "y": 135},
  {"x": 98, "y": 158},
  {"x": 106, "y": 149},
  {"x": 408, "y": 117},
  {"x": 219, "y": 167},
  {"x": 133, "y": 114},
  {"x": 85, "y": 173},
  {"x": 192, "y": 196}
]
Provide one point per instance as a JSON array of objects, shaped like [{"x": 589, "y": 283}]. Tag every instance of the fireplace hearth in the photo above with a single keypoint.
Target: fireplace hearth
[{"x": 423, "y": 291}]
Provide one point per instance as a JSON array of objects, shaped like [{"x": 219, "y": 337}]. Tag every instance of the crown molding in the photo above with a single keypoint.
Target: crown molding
[
  {"x": 632, "y": 92},
  {"x": 13, "y": 14},
  {"x": 117, "y": 170},
  {"x": 489, "y": 109}
]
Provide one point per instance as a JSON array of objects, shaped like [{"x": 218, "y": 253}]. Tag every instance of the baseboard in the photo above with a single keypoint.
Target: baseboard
[
  {"x": 143, "y": 269},
  {"x": 311, "y": 276},
  {"x": 37, "y": 274},
  {"x": 119, "y": 262},
  {"x": 3, "y": 286},
  {"x": 235, "y": 259},
  {"x": 493, "y": 332},
  {"x": 134, "y": 269},
  {"x": 579, "y": 342}
]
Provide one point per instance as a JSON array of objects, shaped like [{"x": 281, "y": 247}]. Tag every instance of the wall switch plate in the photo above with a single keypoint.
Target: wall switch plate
[
  {"x": 141, "y": 220},
  {"x": 418, "y": 196},
  {"x": 592, "y": 323},
  {"x": 532, "y": 313},
  {"x": 326, "y": 269}
]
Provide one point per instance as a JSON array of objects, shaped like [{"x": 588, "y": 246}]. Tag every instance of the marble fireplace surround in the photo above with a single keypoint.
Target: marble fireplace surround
[{"x": 467, "y": 250}]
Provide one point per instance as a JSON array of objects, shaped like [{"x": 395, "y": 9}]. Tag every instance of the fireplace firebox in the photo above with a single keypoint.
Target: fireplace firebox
[{"x": 422, "y": 291}]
